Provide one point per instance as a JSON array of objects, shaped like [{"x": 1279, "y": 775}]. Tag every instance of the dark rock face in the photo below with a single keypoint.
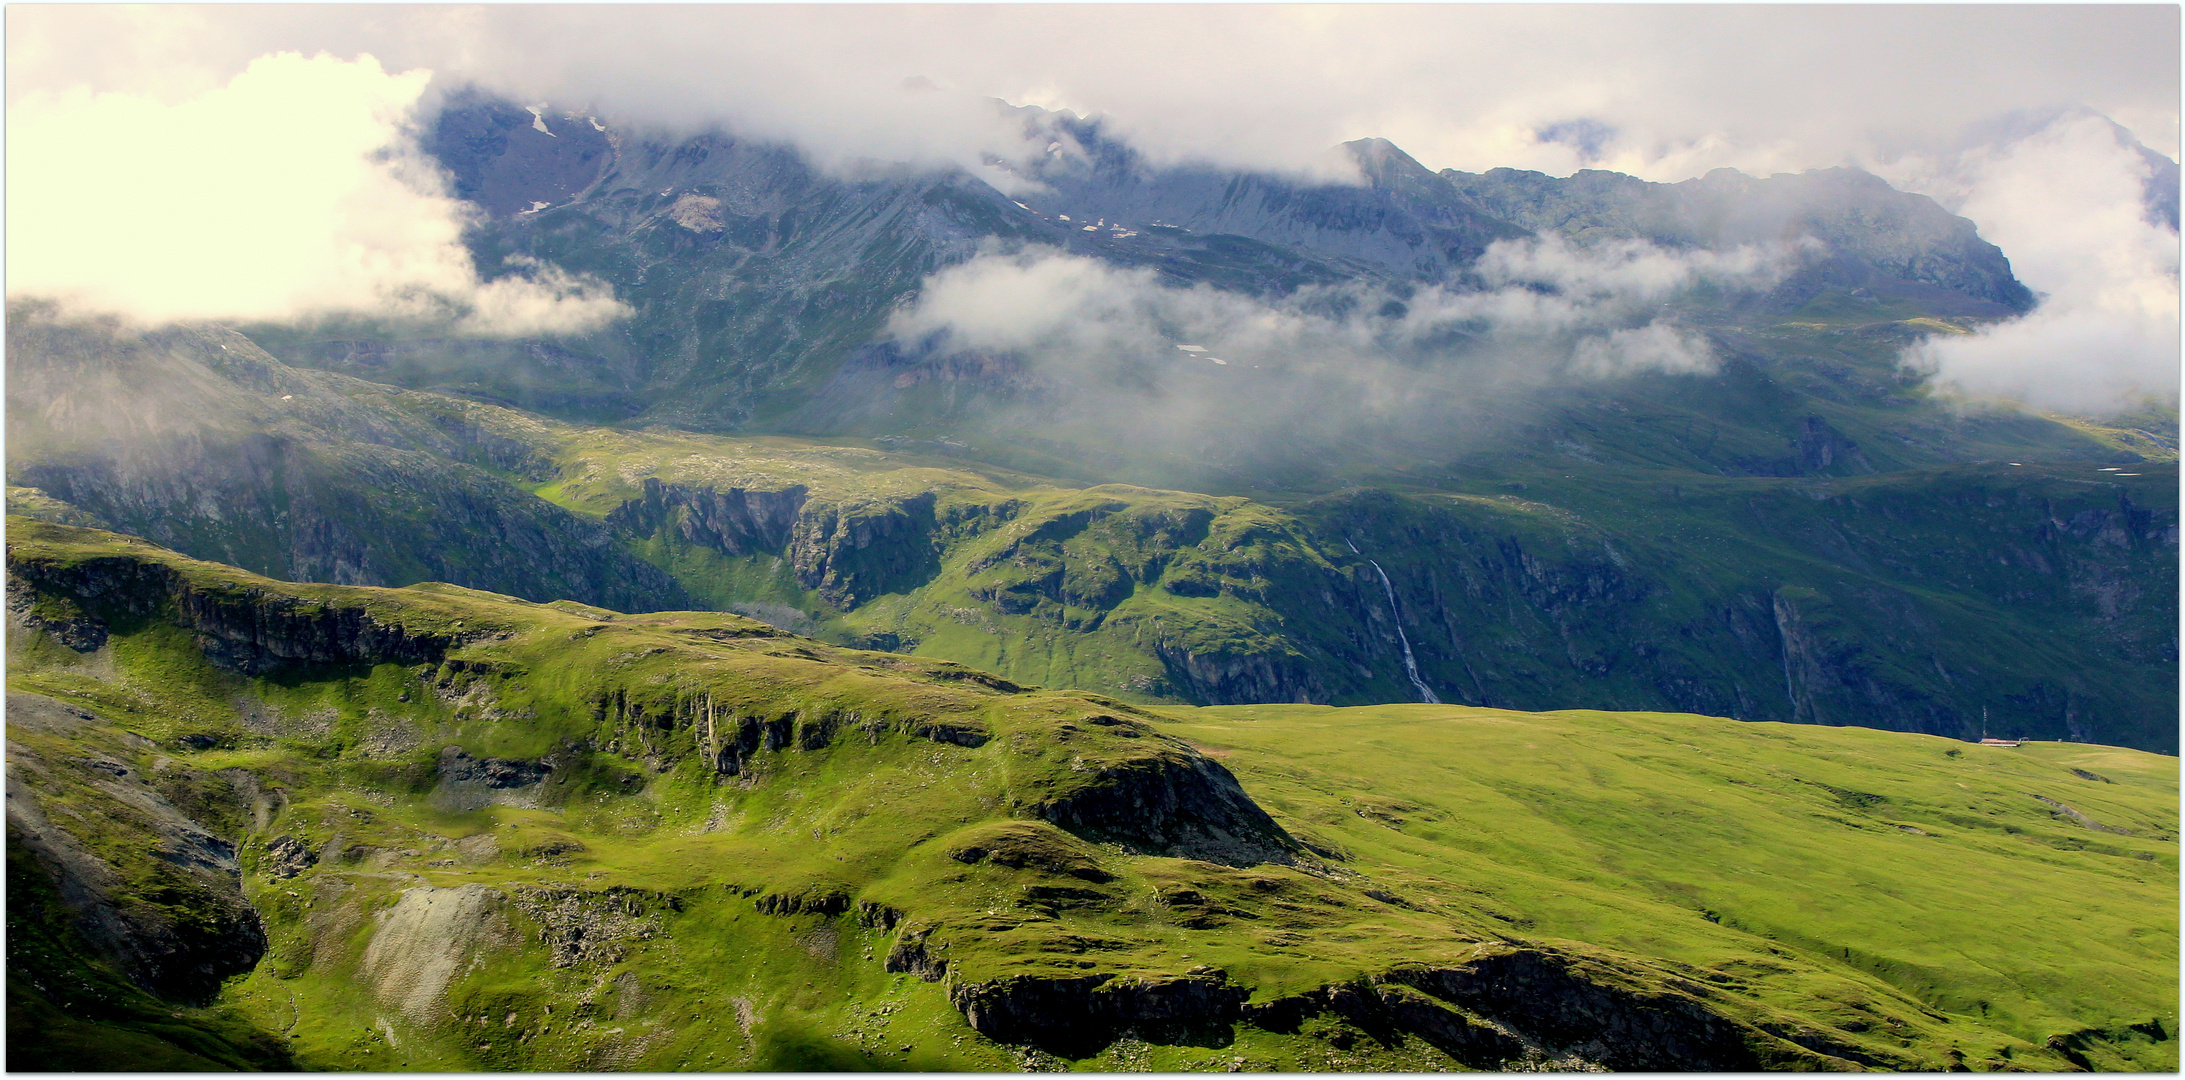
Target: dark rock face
[
  {"x": 174, "y": 921},
  {"x": 909, "y": 956},
  {"x": 1172, "y": 802},
  {"x": 243, "y": 630},
  {"x": 67, "y": 623},
  {"x": 1525, "y": 1006},
  {"x": 850, "y": 554},
  {"x": 458, "y": 767},
  {"x": 1077, "y": 1016},
  {"x": 733, "y": 522},
  {"x": 468, "y": 783},
  {"x": 1546, "y": 996}
]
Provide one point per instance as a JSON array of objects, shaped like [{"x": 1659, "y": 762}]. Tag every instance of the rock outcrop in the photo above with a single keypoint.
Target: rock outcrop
[
  {"x": 243, "y": 629},
  {"x": 1076, "y": 1016},
  {"x": 143, "y": 883},
  {"x": 1170, "y": 800}
]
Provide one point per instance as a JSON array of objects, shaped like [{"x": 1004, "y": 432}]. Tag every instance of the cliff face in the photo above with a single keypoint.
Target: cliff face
[
  {"x": 1903, "y": 600},
  {"x": 149, "y": 887},
  {"x": 245, "y": 630},
  {"x": 1914, "y": 604},
  {"x": 733, "y": 522}
]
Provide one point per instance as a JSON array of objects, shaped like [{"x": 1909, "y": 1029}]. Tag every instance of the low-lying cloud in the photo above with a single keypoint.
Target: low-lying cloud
[
  {"x": 293, "y": 190},
  {"x": 2066, "y": 204},
  {"x": 1144, "y": 362}
]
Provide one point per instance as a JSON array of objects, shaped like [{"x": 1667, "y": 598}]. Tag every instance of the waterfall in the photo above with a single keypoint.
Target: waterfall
[{"x": 1411, "y": 664}]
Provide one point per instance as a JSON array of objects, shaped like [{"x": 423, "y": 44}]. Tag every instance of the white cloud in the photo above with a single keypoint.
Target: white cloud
[
  {"x": 1101, "y": 349},
  {"x": 293, "y": 189},
  {"x": 2065, "y": 203},
  {"x": 1660, "y": 92},
  {"x": 1551, "y": 308}
]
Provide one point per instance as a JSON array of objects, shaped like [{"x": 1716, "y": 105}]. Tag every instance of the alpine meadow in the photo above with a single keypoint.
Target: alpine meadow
[{"x": 1092, "y": 538}]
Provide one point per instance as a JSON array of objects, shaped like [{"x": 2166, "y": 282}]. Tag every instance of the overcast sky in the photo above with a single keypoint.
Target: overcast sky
[
  {"x": 1683, "y": 88},
  {"x": 155, "y": 105}
]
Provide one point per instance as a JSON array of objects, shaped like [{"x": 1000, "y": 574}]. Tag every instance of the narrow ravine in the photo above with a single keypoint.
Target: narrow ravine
[{"x": 1411, "y": 664}]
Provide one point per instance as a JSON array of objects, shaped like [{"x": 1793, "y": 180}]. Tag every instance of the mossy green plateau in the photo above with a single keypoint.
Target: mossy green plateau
[{"x": 1841, "y": 897}]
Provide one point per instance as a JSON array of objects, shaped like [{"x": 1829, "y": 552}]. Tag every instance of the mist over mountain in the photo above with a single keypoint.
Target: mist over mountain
[{"x": 1037, "y": 537}]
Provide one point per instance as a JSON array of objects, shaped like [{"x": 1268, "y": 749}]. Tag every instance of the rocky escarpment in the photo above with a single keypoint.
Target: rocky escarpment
[
  {"x": 733, "y": 522},
  {"x": 846, "y": 551},
  {"x": 660, "y": 729},
  {"x": 851, "y": 553},
  {"x": 244, "y": 629},
  {"x": 1076, "y": 1016},
  {"x": 1519, "y": 1006},
  {"x": 143, "y": 883}
]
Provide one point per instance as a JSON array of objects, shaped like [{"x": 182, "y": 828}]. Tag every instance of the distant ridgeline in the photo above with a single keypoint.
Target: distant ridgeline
[{"x": 760, "y": 282}]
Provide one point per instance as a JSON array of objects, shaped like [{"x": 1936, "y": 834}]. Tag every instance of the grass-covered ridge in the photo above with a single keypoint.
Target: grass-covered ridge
[
  {"x": 1801, "y": 537},
  {"x": 578, "y": 839}
]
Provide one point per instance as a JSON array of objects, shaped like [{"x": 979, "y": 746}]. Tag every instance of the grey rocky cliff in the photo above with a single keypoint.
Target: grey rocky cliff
[
  {"x": 242, "y": 629},
  {"x": 166, "y": 906}
]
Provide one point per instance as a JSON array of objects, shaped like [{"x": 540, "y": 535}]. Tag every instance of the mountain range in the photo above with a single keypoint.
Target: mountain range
[{"x": 1086, "y": 609}]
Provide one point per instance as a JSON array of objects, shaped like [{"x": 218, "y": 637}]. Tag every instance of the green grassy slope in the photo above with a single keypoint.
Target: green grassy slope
[
  {"x": 1701, "y": 544},
  {"x": 687, "y": 841},
  {"x": 2040, "y": 593},
  {"x": 1910, "y": 868}
]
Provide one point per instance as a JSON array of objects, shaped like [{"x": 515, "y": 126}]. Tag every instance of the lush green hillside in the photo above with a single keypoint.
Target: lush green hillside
[
  {"x": 485, "y": 833},
  {"x": 2032, "y": 886},
  {"x": 1604, "y": 559},
  {"x": 2034, "y": 597}
]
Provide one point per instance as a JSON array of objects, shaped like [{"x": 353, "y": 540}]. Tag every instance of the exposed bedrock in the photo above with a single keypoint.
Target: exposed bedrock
[
  {"x": 1076, "y": 1016},
  {"x": 247, "y": 630},
  {"x": 1172, "y": 801},
  {"x": 165, "y": 906}
]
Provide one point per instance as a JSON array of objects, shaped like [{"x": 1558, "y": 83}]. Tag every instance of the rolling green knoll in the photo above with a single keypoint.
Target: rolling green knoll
[{"x": 688, "y": 841}]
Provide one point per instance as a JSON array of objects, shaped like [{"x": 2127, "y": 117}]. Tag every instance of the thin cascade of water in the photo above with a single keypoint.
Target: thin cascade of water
[{"x": 1411, "y": 664}]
